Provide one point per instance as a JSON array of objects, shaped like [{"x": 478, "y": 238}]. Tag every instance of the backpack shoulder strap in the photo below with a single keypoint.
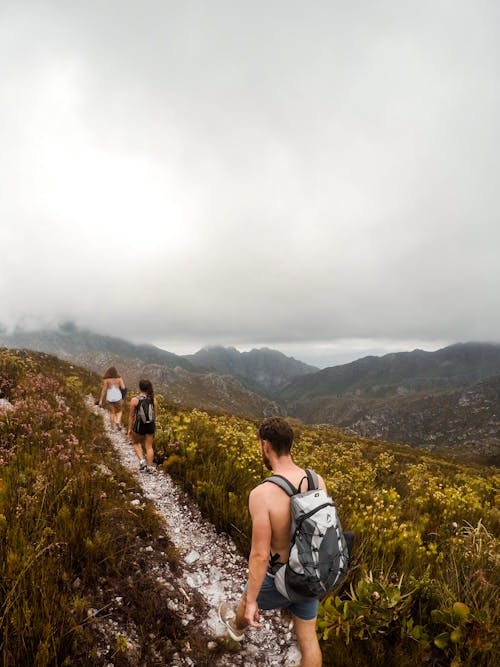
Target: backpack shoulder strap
[
  {"x": 283, "y": 483},
  {"x": 312, "y": 480}
]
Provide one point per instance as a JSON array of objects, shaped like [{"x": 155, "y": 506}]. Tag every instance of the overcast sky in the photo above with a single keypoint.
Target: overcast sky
[{"x": 319, "y": 177}]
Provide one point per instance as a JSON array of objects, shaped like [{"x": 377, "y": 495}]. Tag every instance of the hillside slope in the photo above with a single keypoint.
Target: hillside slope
[
  {"x": 264, "y": 370},
  {"x": 463, "y": 423},
  {"x": 455, "y": 366},
  {"x": 173, "y": 376},
  {"x": 89, "y": 349}
]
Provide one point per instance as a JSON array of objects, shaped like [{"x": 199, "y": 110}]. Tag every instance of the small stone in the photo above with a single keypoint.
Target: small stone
[{"x": 192, "y": 557}]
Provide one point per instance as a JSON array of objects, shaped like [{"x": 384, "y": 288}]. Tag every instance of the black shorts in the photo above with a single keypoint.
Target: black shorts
[{"x": 145, "y": 429}]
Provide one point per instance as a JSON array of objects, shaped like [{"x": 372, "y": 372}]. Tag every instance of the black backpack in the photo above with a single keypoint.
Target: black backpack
[
  {"x": 145, "y": 411},
  {"x": 319, "y": 555}
]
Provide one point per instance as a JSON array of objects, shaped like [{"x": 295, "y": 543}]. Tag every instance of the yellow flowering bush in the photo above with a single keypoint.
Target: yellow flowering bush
[{"x": 409, "y": 512}]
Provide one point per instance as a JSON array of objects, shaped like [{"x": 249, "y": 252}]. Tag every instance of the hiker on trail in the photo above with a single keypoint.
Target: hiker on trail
[
  {"x": 113, "y": 388},
  {"x": 271, "y": 519},
  {"x": 142, "y": 426}
]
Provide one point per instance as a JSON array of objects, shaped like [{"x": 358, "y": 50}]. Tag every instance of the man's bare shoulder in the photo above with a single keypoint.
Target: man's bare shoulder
[
  {"x": 321, "y": 483},
  {"x": 258, "y": 492},
  {"x": 264, "y": 492}
]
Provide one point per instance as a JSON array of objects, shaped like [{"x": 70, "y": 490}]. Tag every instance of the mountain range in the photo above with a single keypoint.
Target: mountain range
[
  {"x": 448, "y": 400},
  {"x": 400, "y": 373},
  {"x": 264, "y": 370}
]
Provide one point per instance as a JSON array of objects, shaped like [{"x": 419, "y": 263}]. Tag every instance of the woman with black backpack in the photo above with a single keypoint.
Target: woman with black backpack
[{"x": 142, "y": 426}]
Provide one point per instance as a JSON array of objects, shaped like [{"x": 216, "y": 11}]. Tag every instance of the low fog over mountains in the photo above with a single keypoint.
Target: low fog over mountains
[{"x": 448, "y": 400}]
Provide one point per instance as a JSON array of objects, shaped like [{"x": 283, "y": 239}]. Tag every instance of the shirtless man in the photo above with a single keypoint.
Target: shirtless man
[{"x": 269, "y": 509}]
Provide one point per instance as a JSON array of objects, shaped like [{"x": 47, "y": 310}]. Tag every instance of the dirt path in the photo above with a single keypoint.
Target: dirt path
[{"x": 211, "y": 566}]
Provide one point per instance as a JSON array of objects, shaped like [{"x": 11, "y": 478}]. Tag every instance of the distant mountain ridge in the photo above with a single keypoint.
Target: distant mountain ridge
[
  {"x": 451, "y": 367},
  {"x": 262, "y": 370}
]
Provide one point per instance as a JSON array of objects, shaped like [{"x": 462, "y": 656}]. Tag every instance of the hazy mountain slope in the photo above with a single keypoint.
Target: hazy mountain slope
[
  {"x": 172, "y": 376},
  {"x": 464, "y": 423},
  {"x": 452, "y": 367},
  {"x": 263, "y": 370},
  {"x": 88, "y": 348},
  {"x": 206, "y": 391}
]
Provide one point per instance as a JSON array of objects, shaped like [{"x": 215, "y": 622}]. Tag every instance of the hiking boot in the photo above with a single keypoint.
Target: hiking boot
[
  {"x": 226, "y": 615},
  {"x": 150, "y": 469},
  {"x": 142, "y": 464}
]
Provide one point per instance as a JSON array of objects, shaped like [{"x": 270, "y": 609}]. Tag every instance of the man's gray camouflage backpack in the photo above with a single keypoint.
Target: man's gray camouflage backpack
[{"x": 319, "y": 554}]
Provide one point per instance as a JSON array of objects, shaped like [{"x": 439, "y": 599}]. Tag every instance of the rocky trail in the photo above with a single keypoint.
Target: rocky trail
[{"x": 210, "y": 567}]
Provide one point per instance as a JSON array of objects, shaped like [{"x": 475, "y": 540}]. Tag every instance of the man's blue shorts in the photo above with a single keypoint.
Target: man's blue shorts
[{"x": 270, "y": 598}]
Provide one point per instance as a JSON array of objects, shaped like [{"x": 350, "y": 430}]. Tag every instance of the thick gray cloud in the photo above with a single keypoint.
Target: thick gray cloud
[{"x": 317, "y": 176}]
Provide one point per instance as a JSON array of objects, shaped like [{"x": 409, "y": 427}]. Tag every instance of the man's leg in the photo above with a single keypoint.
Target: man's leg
[
  {"x": 240, "y": 622},
  {"x": 308, "y": 642},
  {"x": 234, "y": 620}
]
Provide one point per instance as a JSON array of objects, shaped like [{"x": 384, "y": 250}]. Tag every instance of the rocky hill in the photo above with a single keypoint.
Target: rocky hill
[
  {"x": 265, "y": 371},
  {"x": 462, "y": 423}
]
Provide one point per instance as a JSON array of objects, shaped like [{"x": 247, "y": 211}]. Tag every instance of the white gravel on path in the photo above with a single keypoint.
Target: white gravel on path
[{"x": 211, "y": 565}]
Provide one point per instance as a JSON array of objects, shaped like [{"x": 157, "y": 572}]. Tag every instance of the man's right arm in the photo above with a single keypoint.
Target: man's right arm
[{"x": 259, "y": 553}]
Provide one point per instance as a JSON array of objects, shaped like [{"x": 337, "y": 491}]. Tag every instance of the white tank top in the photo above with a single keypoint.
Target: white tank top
[{"x": 113, "y": 394}]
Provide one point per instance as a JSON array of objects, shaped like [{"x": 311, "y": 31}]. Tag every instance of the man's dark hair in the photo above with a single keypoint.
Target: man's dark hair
[{"x": 278, "y": 432}]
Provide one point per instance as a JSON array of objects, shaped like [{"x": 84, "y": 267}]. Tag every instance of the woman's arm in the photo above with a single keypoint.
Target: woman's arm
[
  {"x": 103, "y": 392},
  {"x": 131, "y": 414}
]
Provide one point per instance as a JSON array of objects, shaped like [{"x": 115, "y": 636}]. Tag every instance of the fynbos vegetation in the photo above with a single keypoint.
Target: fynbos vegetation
[
  {"x": 424, "y": 582},
  {"x": 74, "y": 564},
  {"x": 424, "y": 586}
]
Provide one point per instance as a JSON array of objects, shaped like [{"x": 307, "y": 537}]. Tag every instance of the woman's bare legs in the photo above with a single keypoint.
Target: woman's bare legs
[
  {"x": 137, "y": 441},
  {"x": 112, "y": 417},
  {"x": 148, "y": 445}
]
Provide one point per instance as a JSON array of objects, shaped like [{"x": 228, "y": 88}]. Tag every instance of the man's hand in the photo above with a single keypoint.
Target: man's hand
[{"x": 252, "y": 614}]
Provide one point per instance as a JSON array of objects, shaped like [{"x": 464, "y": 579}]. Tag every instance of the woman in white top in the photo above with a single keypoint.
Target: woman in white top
[{"x": 112, "y": 384}]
